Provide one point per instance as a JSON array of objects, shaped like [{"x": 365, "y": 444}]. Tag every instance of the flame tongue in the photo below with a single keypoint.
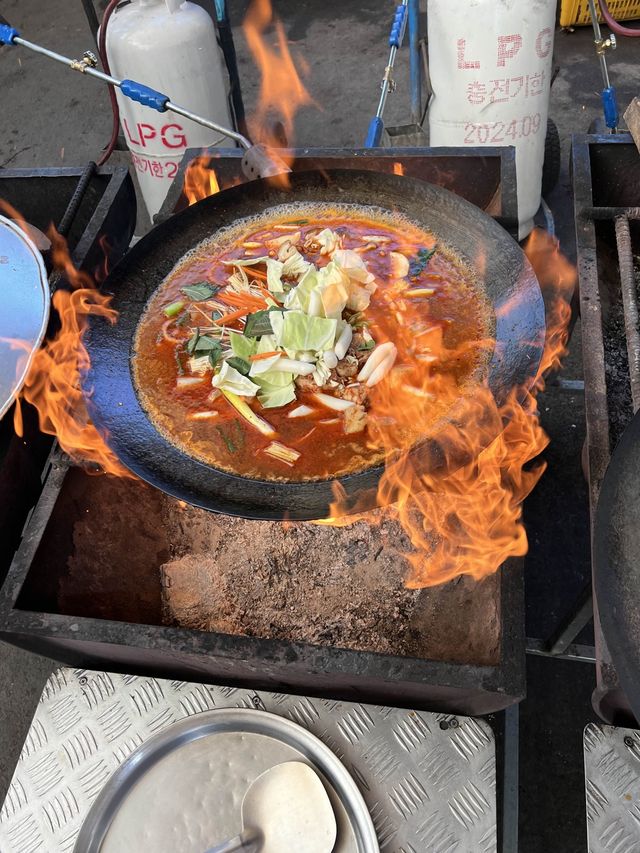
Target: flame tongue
[
  {"x": 282, "y": 92},
  {"x": 53, "y": 384},
  {"x": 460, "y": 501},
  {"x": 200, "y": 180}
]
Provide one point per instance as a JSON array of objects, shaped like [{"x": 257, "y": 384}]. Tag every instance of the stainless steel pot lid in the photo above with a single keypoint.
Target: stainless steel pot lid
[
  {"x": 24, "y": 308},
  {"x": 181, "y": 790}
]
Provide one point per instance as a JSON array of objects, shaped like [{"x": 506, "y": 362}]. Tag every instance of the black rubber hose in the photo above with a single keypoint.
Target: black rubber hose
[{"x": 102, "y": 50}]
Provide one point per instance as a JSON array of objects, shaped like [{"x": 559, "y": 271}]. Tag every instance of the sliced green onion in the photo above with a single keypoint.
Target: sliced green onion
[
  {"x": 282, "y": 452},
  {"x": 244, "y": 409},
  {"x": 174, "y": 309}
]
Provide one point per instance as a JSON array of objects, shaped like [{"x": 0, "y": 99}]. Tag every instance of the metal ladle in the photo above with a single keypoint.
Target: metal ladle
[{"x": 285, "y": 808}]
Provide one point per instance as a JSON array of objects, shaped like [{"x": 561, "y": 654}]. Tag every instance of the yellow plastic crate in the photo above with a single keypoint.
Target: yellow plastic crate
[{"x": 576, "y": 12}]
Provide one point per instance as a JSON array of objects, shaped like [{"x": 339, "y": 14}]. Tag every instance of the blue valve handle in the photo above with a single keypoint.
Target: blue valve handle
[
  {"x": 7, "y": 34},
  {"x": 398, "y": 26},
  {"x": 374, "y": 133},
  {"x": 144, "y": 95},
  {"x": 610, "y": 107}
]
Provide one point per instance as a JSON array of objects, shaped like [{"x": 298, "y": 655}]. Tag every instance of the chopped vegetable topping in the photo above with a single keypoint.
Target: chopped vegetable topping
[
  {"x": 199, "y": 292},
  {"x": 422, "y": 259},
  {"x": 258, "y": 324},
  {"x": 239, "y": 364},
  {"x": 247, "y": 412},
  {"x": 280, "y": 451},
  {"x": 174, "y": 309}
]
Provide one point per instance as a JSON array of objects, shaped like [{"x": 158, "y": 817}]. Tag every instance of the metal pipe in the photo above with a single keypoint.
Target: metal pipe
[
  {"x": 598, "y": 41},
  {"x": 630, "y": 305},
  {"x": 608, "y": 94},
  {"x": 386, "y": 81},
  {"x": 85, "y": 68}
]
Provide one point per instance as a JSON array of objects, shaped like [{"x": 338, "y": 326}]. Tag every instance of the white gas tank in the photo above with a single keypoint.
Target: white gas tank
[
  {"x": 170, "y": 46},
  {"x": 490, "y": 68}
]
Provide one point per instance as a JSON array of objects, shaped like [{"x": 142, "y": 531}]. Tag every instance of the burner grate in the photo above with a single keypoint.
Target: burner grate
[{"x": 606, "y": 179}]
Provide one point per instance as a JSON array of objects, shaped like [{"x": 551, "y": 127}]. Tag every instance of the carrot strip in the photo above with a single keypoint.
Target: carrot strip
[
  {"x": 266, "y": 293},
  {"x": 257, "y": 274},
  {"x": 259, "y": 356},
  {"x": 241, "y": 300},
  {"x": 234, "y": 315}
]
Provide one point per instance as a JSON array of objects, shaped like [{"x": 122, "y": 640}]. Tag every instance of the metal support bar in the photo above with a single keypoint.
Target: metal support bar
[
  {"x": 511, "y": 779},
  {"x": 570, "y": 627},
  {"x": 92, "y": 18},
  {"x": 600, "y": 213},
  {"x": 415, "y": 75},
  {"x": 574, "y": 651},
  {"x": 630, "y": 305}
]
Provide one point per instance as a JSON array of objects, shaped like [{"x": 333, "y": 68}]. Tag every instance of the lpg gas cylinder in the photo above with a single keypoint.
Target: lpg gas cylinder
[
  {"x": 490, "y": 68},
  {"x": 170, "y": 46}
]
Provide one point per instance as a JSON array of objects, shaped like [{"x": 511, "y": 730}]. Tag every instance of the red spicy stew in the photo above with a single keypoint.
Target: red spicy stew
[{"x": 270, "y": 350}]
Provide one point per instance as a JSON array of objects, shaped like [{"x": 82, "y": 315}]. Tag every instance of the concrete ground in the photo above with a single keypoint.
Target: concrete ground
[{"x": 51, "y": 117}]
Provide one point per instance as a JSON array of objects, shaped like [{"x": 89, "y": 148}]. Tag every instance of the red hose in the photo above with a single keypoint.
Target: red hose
[
  {"x": 102, "y": 50},
  {"x": 613, "y": 25}
]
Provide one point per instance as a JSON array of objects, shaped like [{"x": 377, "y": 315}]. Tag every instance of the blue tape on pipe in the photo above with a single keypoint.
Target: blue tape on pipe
[
  {"x": 144, "y": 95},
  {"x": 610, "y": 107},
  {"x": 397, "y": 28},
  {"x": 374, "y": 134},
  {"x": 7, "y": 34}
]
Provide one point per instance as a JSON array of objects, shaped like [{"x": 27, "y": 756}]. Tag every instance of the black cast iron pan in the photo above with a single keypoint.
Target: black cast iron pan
[
  {"x": 507, "y": 276},
  {"x": 616, "y": 567}
]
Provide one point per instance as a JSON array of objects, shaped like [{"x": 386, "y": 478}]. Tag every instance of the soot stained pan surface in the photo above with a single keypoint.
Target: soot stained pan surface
[
  {"x": 617, "y": 560},
  {"x": 502, "y": 269}
]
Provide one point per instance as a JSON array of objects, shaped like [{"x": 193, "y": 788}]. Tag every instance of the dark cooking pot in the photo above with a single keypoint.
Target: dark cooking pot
[{"x": 506, "y": 276}]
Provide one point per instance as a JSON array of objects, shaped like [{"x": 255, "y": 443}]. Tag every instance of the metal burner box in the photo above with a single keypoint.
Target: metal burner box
[{"x": 484, "y": 176}]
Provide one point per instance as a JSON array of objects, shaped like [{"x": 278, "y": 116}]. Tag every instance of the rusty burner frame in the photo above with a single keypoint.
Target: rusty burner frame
[
  {"x": 604, "y": 198},
  {"x": 489, "y": 176}
]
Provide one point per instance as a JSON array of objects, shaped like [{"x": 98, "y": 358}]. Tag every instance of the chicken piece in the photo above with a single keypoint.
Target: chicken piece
[
  {"x": 354, "y": 419},
  {"x": 357, "y": 393},
  {"x": 356, "y": 342},
  {"x": 306, "y": 383},
  {"x": 347, "y": 367}
]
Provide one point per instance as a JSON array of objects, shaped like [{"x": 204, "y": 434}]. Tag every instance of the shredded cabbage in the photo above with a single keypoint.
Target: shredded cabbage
[
  {"x": 295, "y": 265},
  {"x": 301, "y": 332},
  {"x": 328, "y": 241},
  {"x": 298, "y": 297},
  {"x": 241, "y": 346},
  {"x": 274, "y": 273},
  {"x": 271, "y": 397},
  {"x": 263, "y": 365},
  {"x": 229, "y": 379}
]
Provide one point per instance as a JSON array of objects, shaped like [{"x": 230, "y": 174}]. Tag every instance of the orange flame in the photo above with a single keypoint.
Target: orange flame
[
  {"x": 398, "y": 169},
  {"x": 200, "y": 180},
  {"x": 282, "y": 92},
  {"x": 53, "y": 383},
  {"x": 461, "y": 503}
]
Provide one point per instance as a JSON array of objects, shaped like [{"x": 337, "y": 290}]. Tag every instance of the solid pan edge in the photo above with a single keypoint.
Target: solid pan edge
[
  {"x": 616, "y": 548},
  {"x": 98, "y": 820}
]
